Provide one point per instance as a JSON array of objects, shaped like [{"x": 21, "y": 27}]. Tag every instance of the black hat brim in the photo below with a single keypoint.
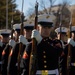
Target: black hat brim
[
  {"x": 47, "y": 24},
  {"x": 29, "y": 27},
  {"x": 5, "y": 34}
]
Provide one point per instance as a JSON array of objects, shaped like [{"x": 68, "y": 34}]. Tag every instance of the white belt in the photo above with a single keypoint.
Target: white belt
[
  {"x": 0, "y": 62},
  {"x": 49, "y": 71},
  {"x": 72, "y": 64}
]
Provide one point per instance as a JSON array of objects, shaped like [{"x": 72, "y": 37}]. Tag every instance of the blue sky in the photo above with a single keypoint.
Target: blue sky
[{"x": 29, "y": 3}]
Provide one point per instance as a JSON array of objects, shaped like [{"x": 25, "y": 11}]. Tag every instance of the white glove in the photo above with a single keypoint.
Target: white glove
[
  {"x": 12, "y": 43},
  {"x": 23, "y": 40},
  {"x": 71, "y": 41},
  {"x": 36, "y": 35},
  {"x": 1, "y": 44}
]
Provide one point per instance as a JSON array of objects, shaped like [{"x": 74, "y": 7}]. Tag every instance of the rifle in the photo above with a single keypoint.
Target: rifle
[
  {"x": 12, "y": 29},
  {"x": 60, "y": 19},
  {"x": 10, "y": 48},
  {"x": 11, "y": 36},
  {"x": 20, "y": 45},
  {"x": 69, "y": 48},
  {"x": 33, "y": 56},
  {"x": 12, "y": 22}
]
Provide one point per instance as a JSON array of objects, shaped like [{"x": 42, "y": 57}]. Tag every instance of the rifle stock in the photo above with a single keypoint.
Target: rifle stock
[
  {"x": 60, "y": 73},
  {"x": 69, "y": 48},
  {"x": 20, "y": 45},
  {"x": 12, "y": 29},
  {"x": 10, "y": 48},
  {"x": 33, "y": 56}
]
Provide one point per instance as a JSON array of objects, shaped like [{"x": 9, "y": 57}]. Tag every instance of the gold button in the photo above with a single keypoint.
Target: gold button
[
  {"x": 45, "y": 61},
  {"x": 44, "y": 56},
  {"x": 48, "y": 43},
  {"x": 49, "y": 37},
  {"x": 46, "y": 71},
  {"x": 44, "y": 52},
  {"x": 45, "y": 66},
  {"x": 44, "y": 40},
  {"x": 74, "y": 64}
]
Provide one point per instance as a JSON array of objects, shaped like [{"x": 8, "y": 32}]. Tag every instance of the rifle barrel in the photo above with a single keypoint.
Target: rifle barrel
[{"x": 33, "y": 59}]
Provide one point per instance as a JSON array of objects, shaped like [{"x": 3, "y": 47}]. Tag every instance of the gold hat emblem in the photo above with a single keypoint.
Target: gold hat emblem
[
  {"x": 47, "y": 16},
  {"x": 30, "y": 22},
  {"x": 63, "y": 28}
]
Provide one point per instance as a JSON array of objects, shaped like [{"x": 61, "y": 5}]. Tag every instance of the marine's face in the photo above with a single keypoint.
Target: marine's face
[
  {"x": 5, "y": 39},
  {"x": 73, "y": 36},
  {"x": 16, "y": 35},
  {"x": 63, "y": 37},
  {"x": 44, "y": 31},
  {"x": 1, "y": 37},
  {"x": 27, "y": 33}
]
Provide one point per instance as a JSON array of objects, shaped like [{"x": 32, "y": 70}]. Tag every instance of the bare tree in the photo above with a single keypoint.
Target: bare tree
[
  {"x": 48, "y": 3},
  {"x": 66, "y": 2},
  {"x": 43, "y": 6},
  {"x": 30, "y": 11},
  {"x": 65, "y": 12},
  {"x": 51, "y": 4}
]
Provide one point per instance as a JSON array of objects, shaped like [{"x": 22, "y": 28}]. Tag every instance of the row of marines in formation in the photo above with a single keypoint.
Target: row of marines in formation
[{"x": 49, "y": 49}]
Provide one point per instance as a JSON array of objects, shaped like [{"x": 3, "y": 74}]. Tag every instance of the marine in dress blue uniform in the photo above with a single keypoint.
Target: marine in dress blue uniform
[
  {"x": 71, "y": 41},
  {"x": 28, "y": 27},
  {"x": 1, "y": 44},
  {"x": 48, "y": 51},
  {"x": 5, "y": 33},
  {"x": 13, "y": 64},
  {"x": 12, "y": 70},
  {"x": 63, "y": 34}
]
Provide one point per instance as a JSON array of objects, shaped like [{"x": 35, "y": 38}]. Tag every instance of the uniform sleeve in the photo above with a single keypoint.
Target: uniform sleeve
[
  {"x": 58, "y": 45},
  {"x": 66, "y": 50},
  {"x": 60, "y": 51},
  {"x": 5, "y": 55},
  {"x": 12, "y": 60},
  {"x": 25, "y": 60}
]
